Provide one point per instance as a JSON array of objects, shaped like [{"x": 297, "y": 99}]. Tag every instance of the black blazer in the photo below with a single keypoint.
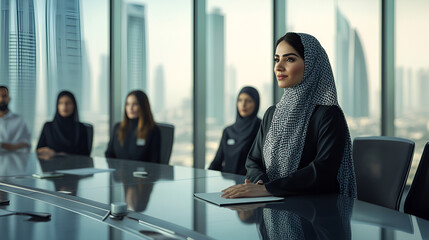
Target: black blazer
[
  {"x": 149, "y": 151},
  {"x": 320, "y": 160}
]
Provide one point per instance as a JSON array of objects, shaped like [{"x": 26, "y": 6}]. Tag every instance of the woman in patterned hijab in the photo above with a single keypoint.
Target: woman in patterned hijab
[{"x": 303, "y": 145}]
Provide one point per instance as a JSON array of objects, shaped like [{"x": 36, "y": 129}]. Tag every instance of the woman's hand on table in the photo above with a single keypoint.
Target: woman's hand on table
[{"x": 247, "y": 189}]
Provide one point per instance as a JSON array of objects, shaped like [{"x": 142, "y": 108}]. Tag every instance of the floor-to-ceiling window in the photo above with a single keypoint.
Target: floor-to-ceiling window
[
  {"x": 412, "y": 75},
  {"x": 156, "y": 49},
  {"x": 239, "y": 53},
  {"x": 67, "y": 47},
  {"x": 350, "y": 33},
  {"x": 52, "y": 45}
]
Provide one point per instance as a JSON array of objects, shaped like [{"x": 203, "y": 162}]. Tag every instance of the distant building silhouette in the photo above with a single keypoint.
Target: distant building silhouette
[
  {"x": 422, "y": 87},
  {"x": 409, "y": 93},
  {"x": 18, "y": 56},
  {"x": 231, "y": 106},
  {"x": 134, "y": 44},
  {"x": 216, "y": 67},
  {"x": 103, "y": 86},
  {"x": 159, "y": 97},
  {"x": 342, "y": 46},
  {"x": 87, "y": 88},
  {"x": 64, "y": 50},
  {"x": 360, "y": 80},
  {"x": 351, "y": 74},
  {"x": 399, "y": 92}
]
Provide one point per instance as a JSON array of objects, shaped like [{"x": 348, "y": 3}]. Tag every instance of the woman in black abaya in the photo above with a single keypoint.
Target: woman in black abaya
[
  {"x": 65, "y": 134},
  {"x": 238, "y": 138},
  {"x": 303, "y": 146}
]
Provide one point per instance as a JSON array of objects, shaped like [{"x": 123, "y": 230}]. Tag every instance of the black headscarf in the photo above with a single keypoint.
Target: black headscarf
[
  {"x": 67, "y": 128},
  {"x": 244, "y": 127}
]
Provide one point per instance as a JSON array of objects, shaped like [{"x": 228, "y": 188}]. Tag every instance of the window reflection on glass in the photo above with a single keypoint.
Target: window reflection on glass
[
  {"x": 350, "y": 34},
  {"x": 157, "y": 58},
  {"x": 51, "y": 45},
  {"x": 239, "y": 53},
  {"x": 412, "y": 75}
]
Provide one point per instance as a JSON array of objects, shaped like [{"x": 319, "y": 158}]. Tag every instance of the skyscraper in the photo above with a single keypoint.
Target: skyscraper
[
  {"x": 360, "y": 79},
  {"x": 87, "y": 88},
  {"x": 408, "y": 98},
  {"x": 4, "y": 41},
  {"x": 18, "y": 56},
  {"x": 64, "y": 51},
  {"x": 422, "y": 87},
  {"x": 399, "y": 91},
  {"x": 102, "y": 105},
  {"x": 159, "y": 97},
  {"x": 342, "y": 39},
  {"x": 134, "y": 27},
  {"x": 351, "y": 75},
  {"x": 231, "y": 91},
  {"x": 215, "y": 67}
]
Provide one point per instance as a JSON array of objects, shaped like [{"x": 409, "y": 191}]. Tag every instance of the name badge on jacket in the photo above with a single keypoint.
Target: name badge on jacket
[
  {"x": 230, "y": 141},
  {"x": 141, "y": 142}
]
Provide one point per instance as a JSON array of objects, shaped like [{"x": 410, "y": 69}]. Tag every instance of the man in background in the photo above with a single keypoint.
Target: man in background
[{"x": 14, "y": 133}]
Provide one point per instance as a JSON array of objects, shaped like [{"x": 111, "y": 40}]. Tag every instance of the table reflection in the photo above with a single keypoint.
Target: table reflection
[
  {"x": 13, "y": 163},
  {"x": 68, "y": 183},
  {"x": 137, "y": 190},
  {"x": 424, "y": 228},
  {"x": 316, "y": 217},
  {"x": 319, "y": 217}
]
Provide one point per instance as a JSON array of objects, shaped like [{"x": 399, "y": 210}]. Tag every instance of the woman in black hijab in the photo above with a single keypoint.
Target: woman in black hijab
[
  {"x": 137, "y": 137},
  {"x": 238, "y": 138},
  {"x": 65, "y": 134},
  {"x": 303, "y": 145}
]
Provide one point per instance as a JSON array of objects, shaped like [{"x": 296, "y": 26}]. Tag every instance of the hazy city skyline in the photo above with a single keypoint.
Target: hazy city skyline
[{"x": 18, "y": 56}]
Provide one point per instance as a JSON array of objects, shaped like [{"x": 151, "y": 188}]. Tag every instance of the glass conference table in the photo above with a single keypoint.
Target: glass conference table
[{"x": 162, "y": 206}]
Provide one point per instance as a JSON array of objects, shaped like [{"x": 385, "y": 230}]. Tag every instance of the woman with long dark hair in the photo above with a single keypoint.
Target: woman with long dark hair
[
  {"x": 65, "y": 134},
  {"x": 303, "y": 145},
  {"x": 137, "y": 137}
]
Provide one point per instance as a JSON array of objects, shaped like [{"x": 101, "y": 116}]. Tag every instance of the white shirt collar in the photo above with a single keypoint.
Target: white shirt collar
[{"x": 8, "y": 115}]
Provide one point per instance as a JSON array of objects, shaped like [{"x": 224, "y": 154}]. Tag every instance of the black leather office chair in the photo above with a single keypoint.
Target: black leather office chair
[
  {"x": 417, "y": 201},
  {"x": 381, "y": 166},
  {"x": 167, "y": 139},
  {"x": 90, "y": 133}
]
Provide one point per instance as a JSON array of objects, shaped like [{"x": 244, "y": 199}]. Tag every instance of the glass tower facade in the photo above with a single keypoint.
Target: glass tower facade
[
  {"x": 18, "y": 56},
  {"x": 64, "y": 51},
  {"x": 215, "y": 67},
  {"x": 351, "y": 71},
  {"x": 135, "y": 61}
]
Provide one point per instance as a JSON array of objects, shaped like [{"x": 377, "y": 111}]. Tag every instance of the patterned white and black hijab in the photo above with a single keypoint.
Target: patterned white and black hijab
[{"x": 286, "y": 137}]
